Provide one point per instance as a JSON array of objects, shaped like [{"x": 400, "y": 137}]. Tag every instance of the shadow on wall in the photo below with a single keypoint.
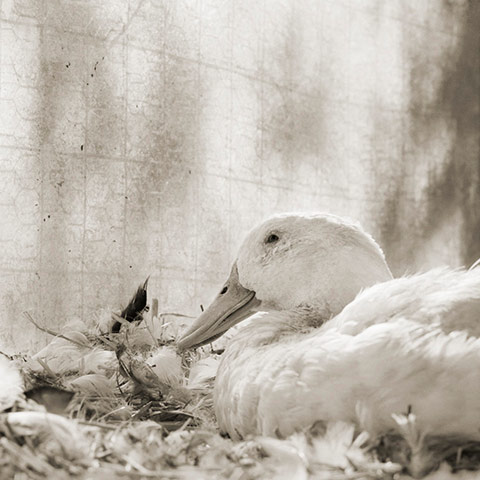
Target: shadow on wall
[
  {"x": 460, "y": 184},
  {"x": 291, "y": 132},
  {"x": 293, "y": 114},
  {"x": 452, "y": 183},
  {"x": 113, "y": 155},
  {"x": 59, "y": 134}
]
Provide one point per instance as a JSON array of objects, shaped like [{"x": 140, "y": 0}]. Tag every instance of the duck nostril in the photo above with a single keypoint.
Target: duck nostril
[{"x": 224, "y": 290}]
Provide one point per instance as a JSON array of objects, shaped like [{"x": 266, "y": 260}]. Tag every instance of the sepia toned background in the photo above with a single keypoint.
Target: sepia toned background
[{"x": 142, "y": 137}]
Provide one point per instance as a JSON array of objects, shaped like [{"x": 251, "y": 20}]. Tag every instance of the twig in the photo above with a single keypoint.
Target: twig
[
  {"x": 107, "y": 342},
  {"x": 97, "y": 424},
  {"x": 174, "y": 315},
  {"x": 166, "y": 314},
  {"x": 183, "y": 472},
  {"x": 459, "y": 455},
  {"x": 185, "y": 424},
  {"x": 119, "y": 319},
  {"x": 26, "y": 462},
  {"x": 154, "y": 312},
  {"x": 51, "y": 332},
  {"x": 475, "y": 265},
  {"x": 46, "y": 367}
]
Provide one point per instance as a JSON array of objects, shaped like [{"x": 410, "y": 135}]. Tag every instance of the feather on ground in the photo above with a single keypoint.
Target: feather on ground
[{"x": 113, "y": 428}]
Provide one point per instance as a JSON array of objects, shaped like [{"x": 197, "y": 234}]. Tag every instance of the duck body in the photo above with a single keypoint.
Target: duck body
[
  {"x": 276, "y": 379},
  {"x": 349, "y": 343}
]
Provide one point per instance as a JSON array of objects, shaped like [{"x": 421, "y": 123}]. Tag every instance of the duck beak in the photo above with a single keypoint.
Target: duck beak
[{"x": 229, "y": 308}]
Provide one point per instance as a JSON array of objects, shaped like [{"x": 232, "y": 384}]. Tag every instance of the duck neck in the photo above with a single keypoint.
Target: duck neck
[{"x": 273, "y": 326}]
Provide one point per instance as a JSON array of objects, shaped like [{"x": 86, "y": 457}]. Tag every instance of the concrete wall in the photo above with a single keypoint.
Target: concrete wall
[{"x": 146, "y": 137}]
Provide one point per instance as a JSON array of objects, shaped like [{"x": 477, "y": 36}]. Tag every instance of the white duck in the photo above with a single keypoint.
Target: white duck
[{"x": 322, "y": 352}]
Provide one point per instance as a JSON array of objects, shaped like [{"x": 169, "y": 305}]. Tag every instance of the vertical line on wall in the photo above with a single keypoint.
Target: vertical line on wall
[
  {"x": 159, "y": 266},
  {"x": 318, "y": 21},
  {"x": 125, "y": 156},
  {"x": 231, "y": 126},
  {"x": 1, "y": 84},
  {"x": 347, "y": 101},
  {"x": 163, "y": 159},
  {"x": 43, "y": 177},
  {"x": 84, "y": 170},
  {"x": 197, "y": 177},
  {"x": 262, "y": 113}
]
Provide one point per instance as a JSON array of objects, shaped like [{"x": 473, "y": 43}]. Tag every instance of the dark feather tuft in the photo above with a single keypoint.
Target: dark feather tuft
[{"x": 133, "y": 311}]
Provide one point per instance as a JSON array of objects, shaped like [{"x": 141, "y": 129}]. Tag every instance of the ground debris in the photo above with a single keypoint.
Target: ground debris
[{"x": 126, "y": 405}]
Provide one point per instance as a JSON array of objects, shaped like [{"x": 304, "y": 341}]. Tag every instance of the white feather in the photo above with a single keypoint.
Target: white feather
[
  {"x": 11, "y": 383},
  {"x": 95, "y": 384},
  {"x": 167, "y": 365},
  {"x": 203, "y": 372},
  {"x": 62, "y": 356}
]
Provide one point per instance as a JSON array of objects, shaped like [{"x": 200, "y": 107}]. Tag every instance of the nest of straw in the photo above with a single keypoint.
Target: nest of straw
[{"x": 96, "y": 404}]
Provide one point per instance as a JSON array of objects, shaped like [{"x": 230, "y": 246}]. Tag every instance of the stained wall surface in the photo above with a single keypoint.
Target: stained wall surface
[{"x": 142, "y": 137}]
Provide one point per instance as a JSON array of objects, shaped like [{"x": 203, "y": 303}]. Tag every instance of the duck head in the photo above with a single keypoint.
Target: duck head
[{"x": 319, "y": 262}]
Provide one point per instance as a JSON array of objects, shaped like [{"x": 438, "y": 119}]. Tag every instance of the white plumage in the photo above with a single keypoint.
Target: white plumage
[
  {"x": 11, "y": 383},
  {"x": 322, "y": 352}
]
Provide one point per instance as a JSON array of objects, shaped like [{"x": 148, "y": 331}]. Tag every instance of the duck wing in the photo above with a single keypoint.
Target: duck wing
[
  {"x": 388, "y": 368},
  {"x": 443, "y": 297}
]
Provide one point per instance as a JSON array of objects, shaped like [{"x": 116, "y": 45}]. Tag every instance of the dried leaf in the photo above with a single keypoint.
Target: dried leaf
[{"x": 55, "y": 400}]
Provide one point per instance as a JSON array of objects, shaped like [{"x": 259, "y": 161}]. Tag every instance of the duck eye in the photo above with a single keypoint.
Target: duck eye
[
  {"x": 224, "y": 290},
  {"x": 272, "y": 238}
]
